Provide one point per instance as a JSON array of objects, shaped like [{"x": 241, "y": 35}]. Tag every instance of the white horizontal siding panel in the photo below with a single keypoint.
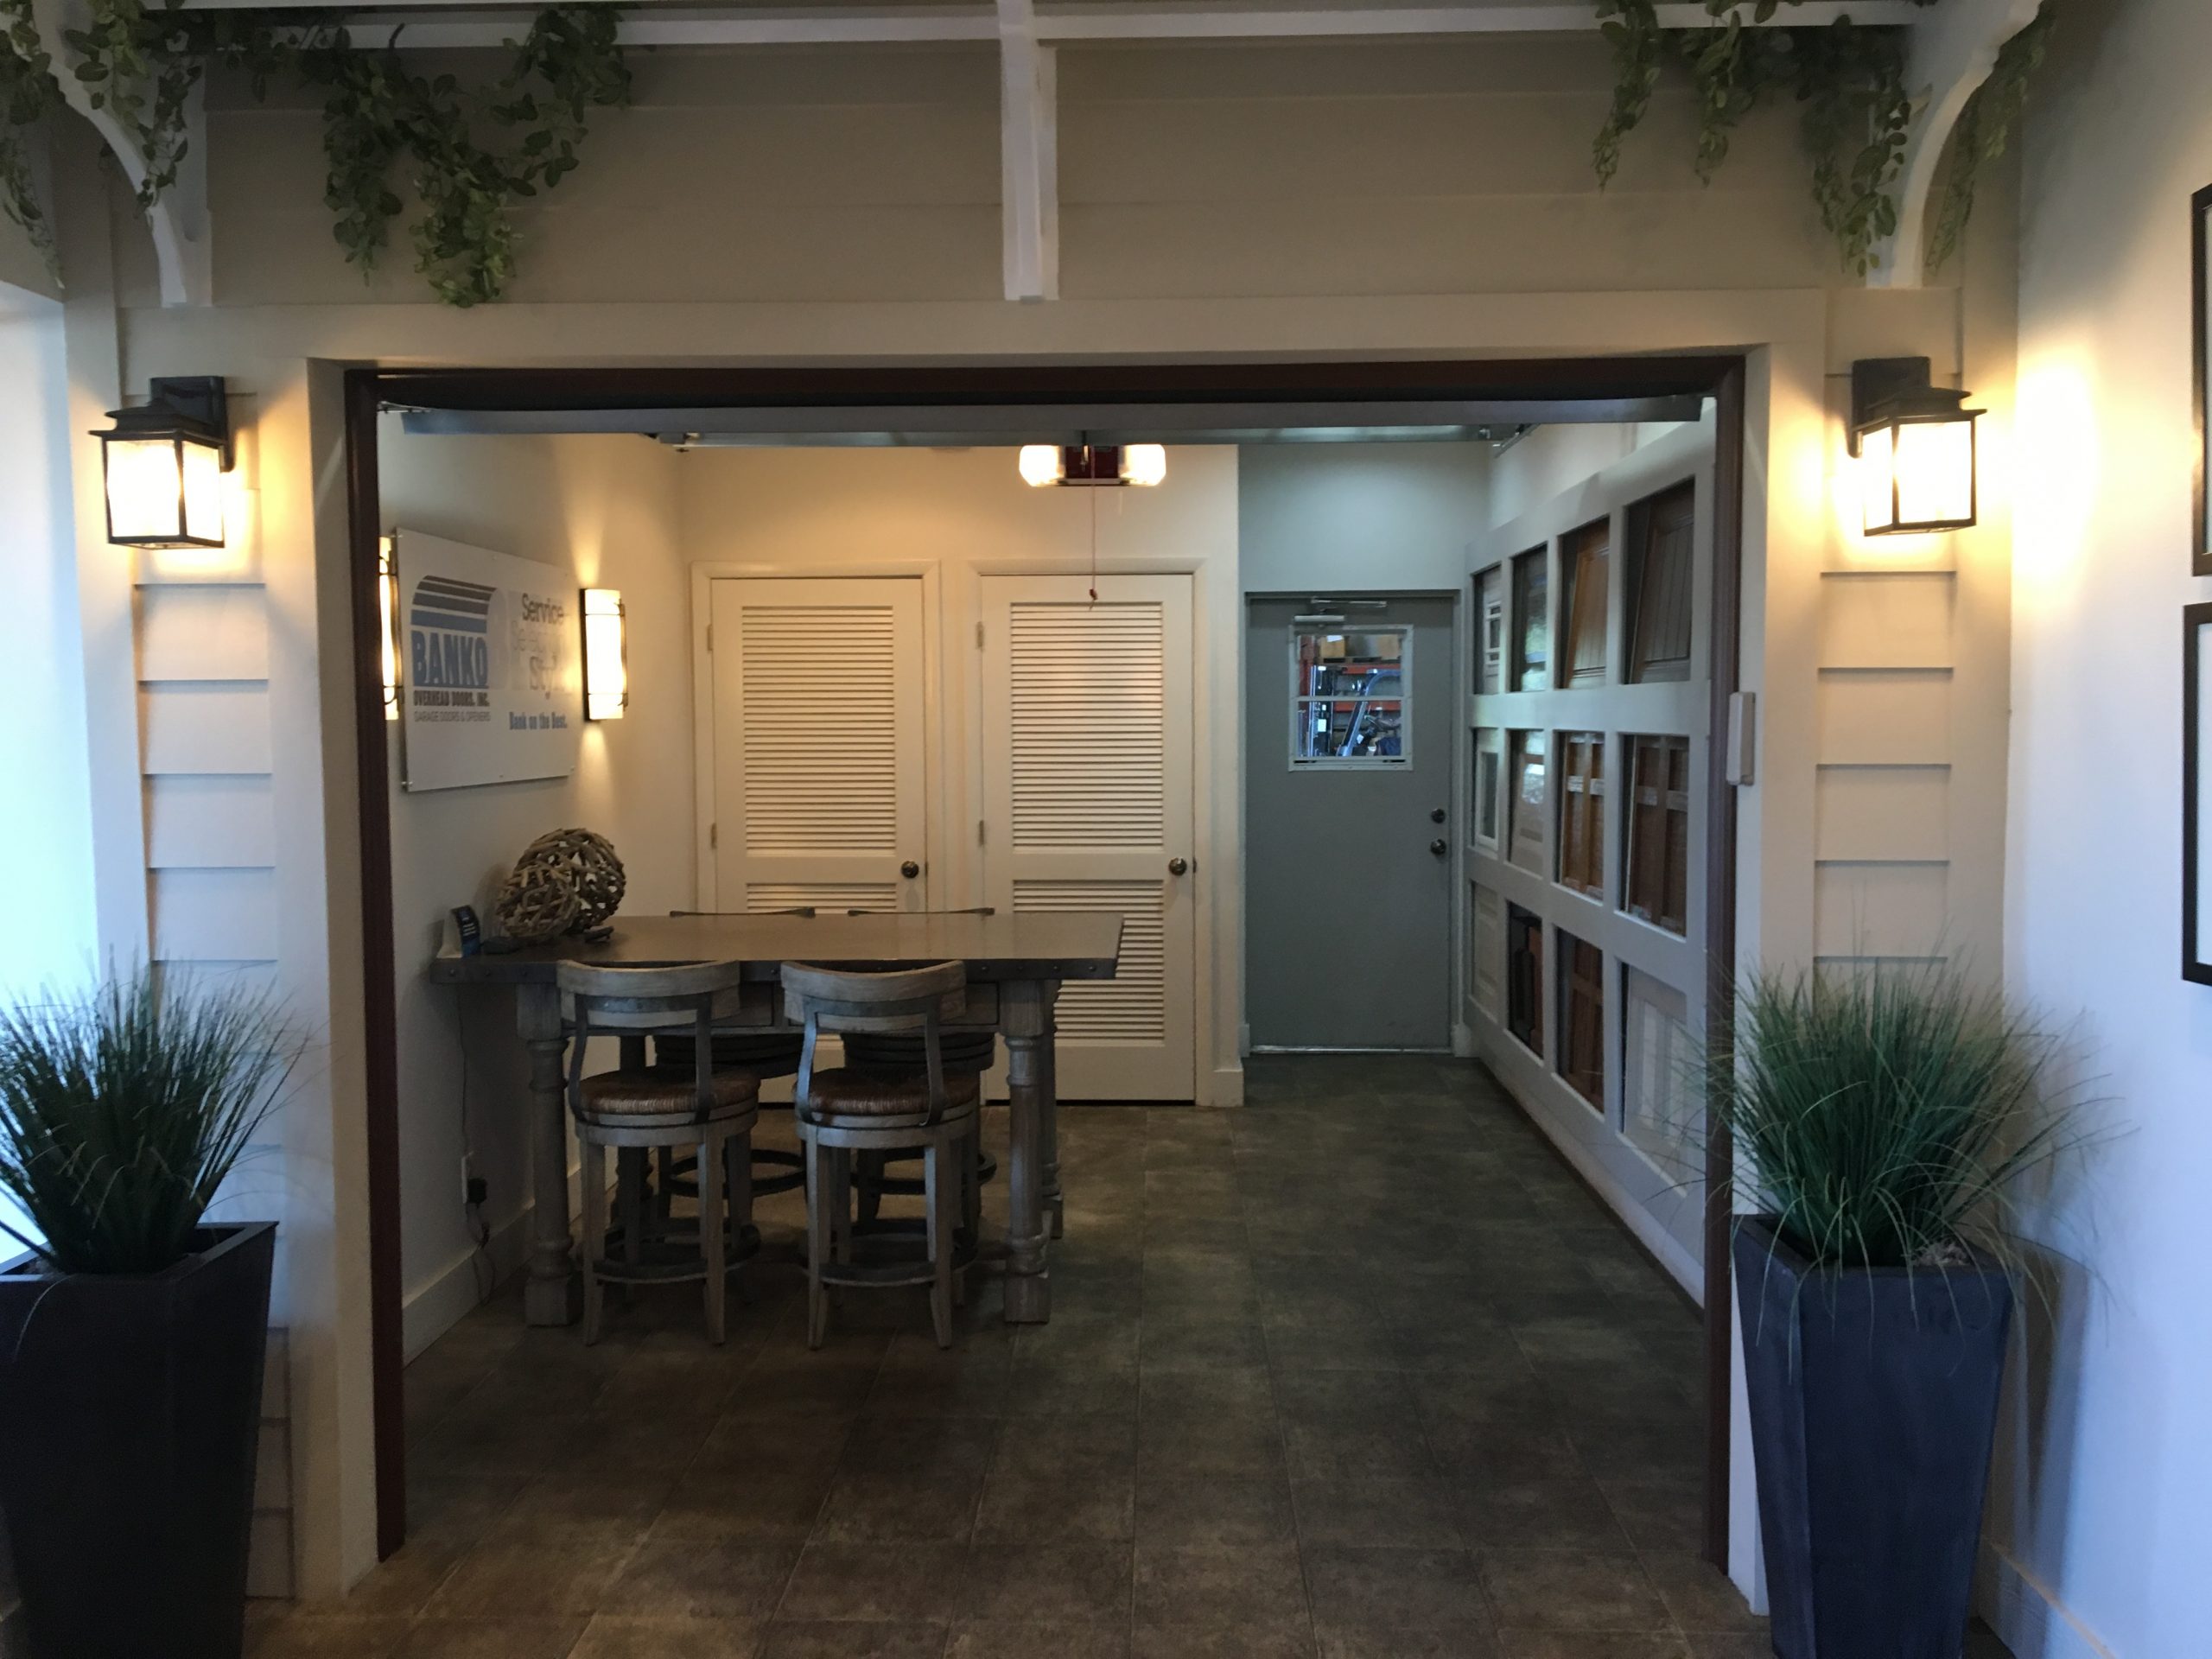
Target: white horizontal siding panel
[
  {"x": 1883, "y": 812},
  {"x": 1891, "y": 718},
  {"x": 214, "y": 915},
  {"x": 819, "y": 743},
  {"x": 1887, "y": 619},
  {"x": 1880, "y": 910},
  {"x": 205, "y": 728},
  {"x": 206, "y": 633},
  {"x": 1089, "y": 712},
  {"x": 198, "y": 822}
]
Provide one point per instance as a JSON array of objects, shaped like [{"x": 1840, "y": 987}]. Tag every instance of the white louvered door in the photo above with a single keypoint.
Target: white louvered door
[
  {"x": 818, "y": 706},
  {"x": 1087, "y": 729}
]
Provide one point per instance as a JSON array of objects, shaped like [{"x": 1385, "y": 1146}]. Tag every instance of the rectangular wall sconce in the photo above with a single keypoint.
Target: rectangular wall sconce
[
  {"x": 1108, "y": 464},
  {"x": 388, "y": 625},
  {"x": 163, "y": 462},
  {"x": 1916, "y": 449},
  {"x": 607, "y": 655}
]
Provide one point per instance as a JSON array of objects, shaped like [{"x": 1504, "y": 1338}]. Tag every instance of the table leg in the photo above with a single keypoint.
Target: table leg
[
  {"x": 1049, "y": 1057},
  {"x": 1028, "y": 1284},
  {"x": 553, "y": 1294}
]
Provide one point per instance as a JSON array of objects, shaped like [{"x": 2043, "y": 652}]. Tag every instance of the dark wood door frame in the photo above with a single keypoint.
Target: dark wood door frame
[{"x": 1566, "y": 380}]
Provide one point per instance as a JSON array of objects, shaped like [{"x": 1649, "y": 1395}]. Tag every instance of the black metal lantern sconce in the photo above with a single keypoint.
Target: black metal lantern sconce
[
  {"x": 163, "y": 464},
  {"x": 1917, "y": 449}
]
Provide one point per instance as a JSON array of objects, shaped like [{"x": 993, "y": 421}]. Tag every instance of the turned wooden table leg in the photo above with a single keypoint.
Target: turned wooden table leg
[
  {"x": 553, "y": 1294},
  {"x": 1048, "y": 1056},
  {"x": 1022, "y": 1008}
]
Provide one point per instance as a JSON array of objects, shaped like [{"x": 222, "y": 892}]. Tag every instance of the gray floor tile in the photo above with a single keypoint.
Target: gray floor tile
[
  {"x": 1258, "y": 1587},
  {"x": 1238, "y": 1509},
  {"x": 491, "y": 1638},
  {"x": 1419, "y": 1514},
  {"x": 834, "y": 1640},
  {"x": 1371, "y": 1589},
  {"x": 1048, "y": 1583},
  {"x": 901, "y": 1583},
  {"x": 1571, "y": 1590},
  {"x": 699, "y": 1578},
  {"x": 613, "y": 1635}
]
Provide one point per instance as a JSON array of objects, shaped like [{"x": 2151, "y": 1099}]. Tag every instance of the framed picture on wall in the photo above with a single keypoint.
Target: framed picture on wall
[
  {"x": 2200, "y": 211},
  {"x": 2195, "y": 764}
]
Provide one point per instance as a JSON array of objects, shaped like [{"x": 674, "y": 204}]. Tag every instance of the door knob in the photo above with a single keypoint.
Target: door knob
[
  {"x": 910, "y": 869},
  {"x": 1176, "y": 866},
  {"x": 1436, "y": 814},
  {"x": 1439, "y": 847}
]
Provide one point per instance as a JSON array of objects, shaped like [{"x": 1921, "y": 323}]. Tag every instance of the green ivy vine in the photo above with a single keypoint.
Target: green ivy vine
[
  {"x": 467, "y": 152},
  {"x": 1855, "y": 112},
  {"x": 28, "y": 94}
]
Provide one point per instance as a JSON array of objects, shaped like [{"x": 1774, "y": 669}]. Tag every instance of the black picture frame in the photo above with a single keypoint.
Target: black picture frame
[
  {"x": 2196, "y": 732},
  {"x": 2200, "y": 213}
]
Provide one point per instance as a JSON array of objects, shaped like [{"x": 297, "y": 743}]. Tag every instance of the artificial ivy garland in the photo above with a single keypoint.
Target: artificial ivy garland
[
  {"x": 1856, "y": 113},
  {"x": 141, "y": 66}
]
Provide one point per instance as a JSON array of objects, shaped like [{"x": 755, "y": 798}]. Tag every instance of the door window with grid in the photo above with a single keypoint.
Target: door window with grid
[{"x": 1350, "y": 696}]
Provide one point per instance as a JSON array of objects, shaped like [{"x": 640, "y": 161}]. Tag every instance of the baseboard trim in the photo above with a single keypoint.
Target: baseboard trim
[
  {"x": 458, "y": 1289},
  {"x": 2027, "y": 1617}
]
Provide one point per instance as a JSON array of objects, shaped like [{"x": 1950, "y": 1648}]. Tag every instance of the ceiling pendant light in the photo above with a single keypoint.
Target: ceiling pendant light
[{"x": 1103, "y": 465}]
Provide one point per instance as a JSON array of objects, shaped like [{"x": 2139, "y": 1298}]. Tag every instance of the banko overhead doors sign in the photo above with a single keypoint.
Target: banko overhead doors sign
[{"x": 492, "y": 689}]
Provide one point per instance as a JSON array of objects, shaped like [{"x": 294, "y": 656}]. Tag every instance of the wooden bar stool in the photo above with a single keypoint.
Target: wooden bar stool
[
  {"x": 849, "y": 1109},
  {"x": 636, "y": 1108},
  {"x": 967, "y": 1054}
]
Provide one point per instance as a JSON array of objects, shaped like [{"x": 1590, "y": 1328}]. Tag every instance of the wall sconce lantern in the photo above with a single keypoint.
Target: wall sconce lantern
[
  {"x": 388, "y": 625},
  {"x": 163, "y": 461},
  {"x": 1109, "y": 465},
  {"x": 1917, "y": 449},
  {"x": 607, "y": 655}
]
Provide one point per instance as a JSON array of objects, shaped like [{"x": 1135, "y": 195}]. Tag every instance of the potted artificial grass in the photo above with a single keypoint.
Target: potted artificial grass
[
  {"x": 1883, "y": 1114},
  {"x": 132, "y": 1334}
]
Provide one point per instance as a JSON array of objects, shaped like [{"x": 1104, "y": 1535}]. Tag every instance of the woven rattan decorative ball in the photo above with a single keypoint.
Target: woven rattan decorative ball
[
  {"x": 593, "y": 870},
  {"x": 538, "y": 901}
]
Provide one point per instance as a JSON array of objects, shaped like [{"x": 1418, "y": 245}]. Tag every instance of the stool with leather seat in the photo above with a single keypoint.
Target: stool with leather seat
[
  {"x": 850, "y": 1109},
  {"x": 636, "y": 1109}
]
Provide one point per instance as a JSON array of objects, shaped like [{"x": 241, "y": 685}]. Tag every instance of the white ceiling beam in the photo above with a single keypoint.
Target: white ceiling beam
[
  {"x": 178, "y": 219},
  {"x": 454, "y": 23},
  {"x": 1953, "y": 50},
  {"x": 1029, "y": 156}
]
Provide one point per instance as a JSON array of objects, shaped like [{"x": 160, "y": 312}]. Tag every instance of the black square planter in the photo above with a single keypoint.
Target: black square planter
[
  {"x": 131, "y": 1405},
  {"x": 1873, "y": 1399}
]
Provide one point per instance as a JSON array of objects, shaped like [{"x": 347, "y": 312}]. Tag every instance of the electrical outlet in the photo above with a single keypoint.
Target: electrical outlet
[
  {"x": 478, "y": 1190},
  {"x": 473, "y": 1189}
]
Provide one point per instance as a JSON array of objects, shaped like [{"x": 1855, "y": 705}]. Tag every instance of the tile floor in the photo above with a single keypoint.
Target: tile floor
[{"x": 1360, "y": 1371}]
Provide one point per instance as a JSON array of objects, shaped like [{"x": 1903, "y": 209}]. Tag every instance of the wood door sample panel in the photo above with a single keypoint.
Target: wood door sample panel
[
  {"x": 1582, "y": 812},
  {"x": 1663, "y": 584},
  {"x": 1585, "y": 557}
]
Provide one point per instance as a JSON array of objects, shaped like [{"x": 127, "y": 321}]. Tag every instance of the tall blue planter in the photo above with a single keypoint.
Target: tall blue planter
[
  {"x": 1873, "y": 1401},
  {"x": 130, "y": 1404}
]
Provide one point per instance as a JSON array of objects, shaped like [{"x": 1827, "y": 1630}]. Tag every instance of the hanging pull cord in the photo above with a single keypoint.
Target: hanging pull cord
[{"x": 1093, "y": 495}]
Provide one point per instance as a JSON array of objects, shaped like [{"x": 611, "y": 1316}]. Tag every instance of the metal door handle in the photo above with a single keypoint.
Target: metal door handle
[
  {"x": 910, "y": 869},
  {"x": 1176, "y": 866},
  {"x": 1436, "y": 814},
  {"x": 1439, "y": 847}
]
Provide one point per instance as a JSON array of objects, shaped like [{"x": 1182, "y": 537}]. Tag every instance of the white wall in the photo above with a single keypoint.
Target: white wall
[
  {"x": 2104, "y": 1502},
  {"x": 605, "y": 507},
  {"x": 46, "y": 840},
  {"x": 956, "y": 511},
  {"x": 1553, "y": 459},
  {"x": 1317, "y": 517}
]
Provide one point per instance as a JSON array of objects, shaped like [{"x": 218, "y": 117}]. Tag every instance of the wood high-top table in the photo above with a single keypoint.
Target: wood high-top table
[{"x": 1015, "y": 965}]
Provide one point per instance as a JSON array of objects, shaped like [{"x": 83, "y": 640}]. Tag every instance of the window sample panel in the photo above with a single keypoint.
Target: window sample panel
[
  {"x": 1658, "y": 875},
  {"x": 1487, "y": 939},
  {"x": 1524, "y": 977},
  {"x": 1662, "y": 533},
  {"x": 1490, "y": 776},
  {"x": 1582, "y": 1019},
  {"x": 1348, "y": 696},
  {"x": 1525, "y": 777},
  {"x": 1584, "y": 556},
  {"x": 1489, "y": 632},
  {"x": 1532, "y": 626},
  {"x": 1582, "y": 812},
  {"x": 1661, "y": 1112}
]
